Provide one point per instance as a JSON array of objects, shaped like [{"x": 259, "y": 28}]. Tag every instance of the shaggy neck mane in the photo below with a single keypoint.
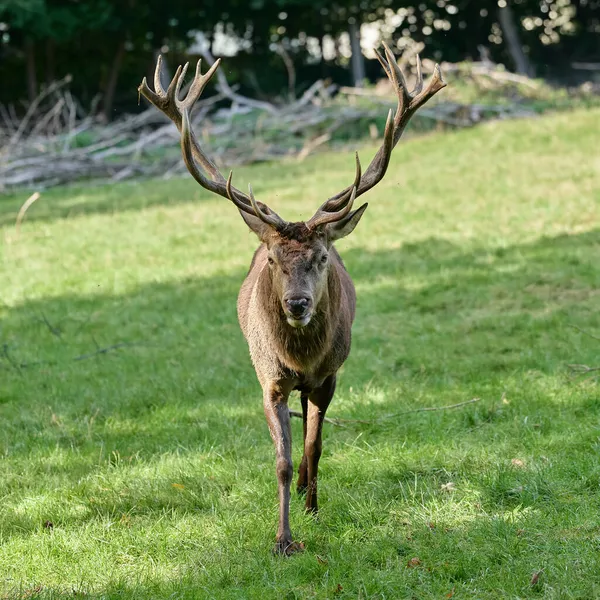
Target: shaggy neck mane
[{"x": 304, "y": 344}]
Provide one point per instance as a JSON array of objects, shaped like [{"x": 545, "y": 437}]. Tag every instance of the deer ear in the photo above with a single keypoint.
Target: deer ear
[
  {"x": 260, "y": 228},
  {"x": 345, "y": 226}
]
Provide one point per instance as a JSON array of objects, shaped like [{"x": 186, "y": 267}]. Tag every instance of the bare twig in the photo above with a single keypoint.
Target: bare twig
[
  {"x": 51, "y": 114},
  {"x": 34, "y": 105},
  {"x": 226, "y": 89},
  {"x": 53, "y": 330},
  {"x": 24, "y": 209},
  {"x": 585, "y": 332},
  {"x": 15, "y": 365},
  {"x": 104, "y": 350},
  {"x": 308, "y": 96},
  {"x": 341, "y": 422},
  {"x": 311, "y": 145},
  {"x": 86, "y": 356}
]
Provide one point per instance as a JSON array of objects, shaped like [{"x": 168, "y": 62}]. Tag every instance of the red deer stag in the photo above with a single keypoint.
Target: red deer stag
[{"x": 297, "y": 303}]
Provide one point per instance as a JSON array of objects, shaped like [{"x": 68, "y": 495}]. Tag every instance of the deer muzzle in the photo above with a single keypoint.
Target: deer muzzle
[{"x": 298, "y": 311}]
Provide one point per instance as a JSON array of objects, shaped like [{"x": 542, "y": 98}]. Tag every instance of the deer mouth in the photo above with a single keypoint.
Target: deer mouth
[{"x": 299, "y": 322}]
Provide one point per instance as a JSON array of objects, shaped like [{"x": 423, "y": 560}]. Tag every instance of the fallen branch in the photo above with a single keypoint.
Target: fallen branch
[
  {"x": 341, "y": 422},
  {"x": 582, "y": 369},
  {"x": 311, "y": 145},
  {"x": 18, "y": 366}
]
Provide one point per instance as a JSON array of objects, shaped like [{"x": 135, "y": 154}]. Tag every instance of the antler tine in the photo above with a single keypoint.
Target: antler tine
[
  {"x": 157, "y": 72},
  {"x": 419, "y": 84},
  {"x": 176, "y": 83},
  {"x": 383, "y": 62},
  {"x": 408, "y": 104},
  {"x": 241, "y": 205},
  {"x": 397, "y": 78},
  {"x": 199, "y": 83},
  {"x": 322, "y": 217},
  {"x": 336, "y": 203},
  {"x": 271, "y": 217},
  {"x": 436, "y": 83},
  {"x": 144, "y": 90}
]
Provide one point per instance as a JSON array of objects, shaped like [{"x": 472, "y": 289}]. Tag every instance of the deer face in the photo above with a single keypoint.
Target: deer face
[
  {"x": 298, "y": 256},
  {"x": 298, "y": 270}
]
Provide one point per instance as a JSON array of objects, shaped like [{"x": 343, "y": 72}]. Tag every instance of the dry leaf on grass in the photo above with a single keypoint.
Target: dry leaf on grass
[{"x": 535, "y": 578}]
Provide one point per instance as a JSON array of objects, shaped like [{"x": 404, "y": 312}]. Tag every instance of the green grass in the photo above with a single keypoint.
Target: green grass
[{"x": 148, "y": 471}]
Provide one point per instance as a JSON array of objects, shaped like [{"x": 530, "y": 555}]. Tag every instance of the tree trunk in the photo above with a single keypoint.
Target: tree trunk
[
  {"x": 358, "y": 60},
  {"x": 510, "y": 30},
  {"x": 50, "y": 61},
  {"x": 31, "y": 76},
  {"x": 111, "y": 84}
]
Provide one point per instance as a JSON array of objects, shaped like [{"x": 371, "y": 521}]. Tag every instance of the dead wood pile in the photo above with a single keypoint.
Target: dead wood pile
[{"x": 57, "y": 141}]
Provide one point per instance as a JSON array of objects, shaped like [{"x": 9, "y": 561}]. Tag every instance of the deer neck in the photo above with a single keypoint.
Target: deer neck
[{"x": 301, "y": 348}]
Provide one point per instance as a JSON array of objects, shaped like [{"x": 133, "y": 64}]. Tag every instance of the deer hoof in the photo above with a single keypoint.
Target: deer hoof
[{"x": 287, "y": 548}]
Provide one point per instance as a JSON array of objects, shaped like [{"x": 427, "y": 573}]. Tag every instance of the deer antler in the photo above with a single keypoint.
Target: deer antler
[
  {"x": 335, "y": 208},
  {"x": 178, "y": 111},
  {"x": 408, "y": 104},
  {"x": 325, "y": 215}
]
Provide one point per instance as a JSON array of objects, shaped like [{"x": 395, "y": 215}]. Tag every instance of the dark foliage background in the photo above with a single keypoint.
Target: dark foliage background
[{"x": 108, "y": 44}]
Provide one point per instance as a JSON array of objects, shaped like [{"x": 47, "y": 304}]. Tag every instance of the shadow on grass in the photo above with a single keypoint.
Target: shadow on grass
[
  {"x": 429, "y": 315},
  {"x": 76, "y": 200}
]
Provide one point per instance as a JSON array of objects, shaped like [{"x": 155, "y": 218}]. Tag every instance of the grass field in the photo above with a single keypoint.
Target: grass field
[{"x": 147, "y": 471}]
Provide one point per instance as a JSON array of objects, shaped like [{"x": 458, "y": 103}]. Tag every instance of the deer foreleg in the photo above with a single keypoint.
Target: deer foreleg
[
  {"x": 303, "y": 469},
  {"x": 319, "y": 400},
  {"x": 278, "y": 419}
]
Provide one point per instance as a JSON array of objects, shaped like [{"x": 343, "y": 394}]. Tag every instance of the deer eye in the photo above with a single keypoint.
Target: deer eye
[
  {"x": 271, "y": 261},
  {"x": 324, "y": 259}
]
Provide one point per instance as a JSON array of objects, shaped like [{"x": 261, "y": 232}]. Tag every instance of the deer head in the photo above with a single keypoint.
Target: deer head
[
  {"x": 298, "y": 252},
  {"x": 298, "y": 257}
]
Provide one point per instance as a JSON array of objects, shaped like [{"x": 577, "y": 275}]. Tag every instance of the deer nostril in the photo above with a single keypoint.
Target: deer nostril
[{"x": 297, "y": 306}]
